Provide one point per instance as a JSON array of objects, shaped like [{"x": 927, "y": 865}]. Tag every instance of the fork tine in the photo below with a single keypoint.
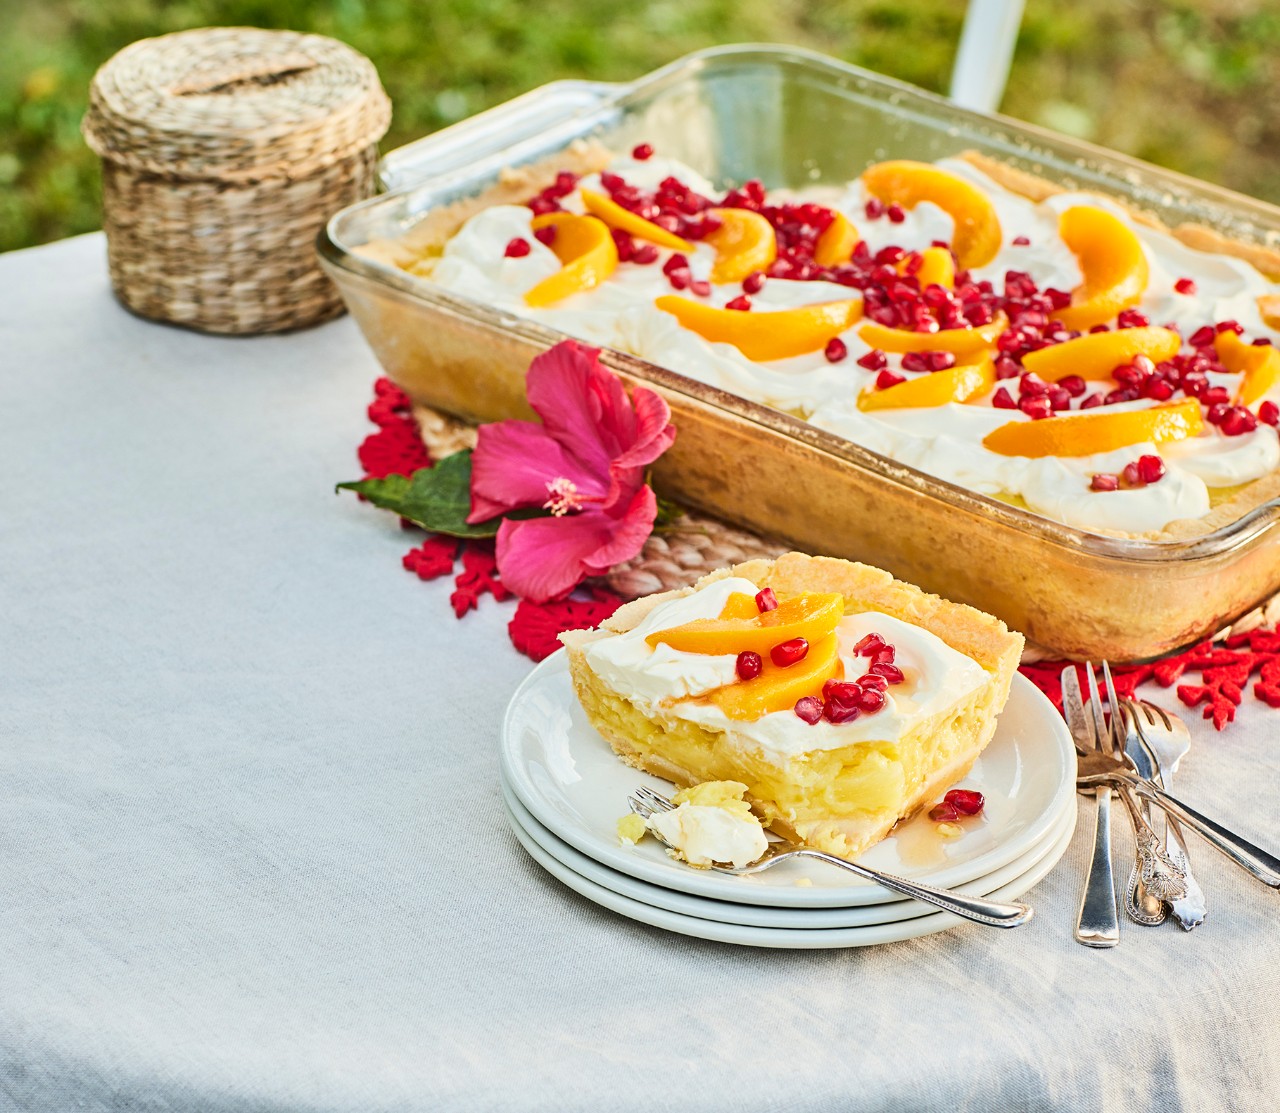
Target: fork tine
[
  {"x": 1102, "y": 733},
  {"x": 1117, "y": 722},
  {"x": 1073, "y": 704},
  {"x": 1155, "y": 712},
  {"x": 654, "y": 800},
  {"x": 639, "y": 807}
]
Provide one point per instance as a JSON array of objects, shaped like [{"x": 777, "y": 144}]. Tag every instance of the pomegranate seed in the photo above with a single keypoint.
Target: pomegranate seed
[
  {"x": 766, "y": 600},
  {"x": 788, "y": 653},
  {"x": 887, "y": 378},
  {"x": 1131, "y": 318},
  {"x": 1100, "y": 328},
  {"x": 701, "y": 288},
  {"x": 540, "y": 206},
  {"x": 1229, "y": 326},
  {"x": 846, "y": 691},
  {"x": 944, "y": 813},
  {"x": 546, "y": 236},
  {"x": 1007, "y": 368},
  {"x": 644, "y": 255},
  {"x": 1131, "y": 475},
  {"x": 741, "y": 303},
  {"x": 888, "y": 257},
  {"x": 895, "y": 214},
  {"x": 1032, "y": 386},
  {"x": 1214, "y": 395},
  {"x": 1158, "y": 389},
  {"x": 870, "y": 645},
  {"x": 874, "y": 360},
  {"x": 1009, "y": 341},
  {"x": 874, "y": 208},
  {"x": 517, "y": 248},
  {"x": 680, "y": 279},
  {"x": 676, "y": 262},
  {"x": 809, "y": 709},
  {"x": 1150, "y": 468},
  {"x": 916, "y": 361},
  {"x": 1003, "y": 400},
  {"x": 1036, "y": 408},
  {"x": 1021, "y": 241},
  {"x": 891, "y": 673},
  {"x": 836, "y": 350},
  {"x": 965, "y": 800},
  {"x": 1058, "y": 299},
  {"x": 643, "y": 152},
  {"x": 1261, "y": 342},
  {"x": 1238, "y": 421},
  {"x": 1269, "y": 413},
  {"x": 1059, "y": 399},
  {"x": 1185, "y": 286},
  {"x": 836, "y": 712},
  {"x": 754, "y": 282},
  {"x": 870, "y": 700},
  {"x": 884, "y": 656},
  {"x": 1202, "y": 337},
  {"x": 612, "y": 182},
  {"x": 1091, "y": 401},
  {"x": 749, "y": 665},
  {"x": 1216, "y": 413},
  {"x": 873, "y": 680},
  {"x": 1104, "y": 482},
  {"x": 1074, "y": 385}
]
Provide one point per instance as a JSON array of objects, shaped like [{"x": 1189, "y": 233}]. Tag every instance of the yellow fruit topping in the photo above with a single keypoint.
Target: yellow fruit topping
[
  {"x": 766, "y": 336},
  {"x": 958, "y": 384},
  {"x": 740, "y": 605},
  {"x": 716, "y": 794},
  {"x": 938, "y": 268},
  {"x": 1269, "y": 309},
  {"x": 1089, "y": 433},
  {"x": 958, "y": 341},
  {"x": 586, "y": 252},
  {"x": 744, "y": 243},
  {"x": 811, "y": 615},
  {"x": 631, "y": 829},
  {"x": 615, "y": 216},
  {"x": 1259, "y": 364},
  {"x": 977, "y": 228},
  {"x": 836, "y": 243},
  {"x": 777, "y": 689},
  {"x": 1112, "y": 263},
  {"x": 1095, "y": 355}
]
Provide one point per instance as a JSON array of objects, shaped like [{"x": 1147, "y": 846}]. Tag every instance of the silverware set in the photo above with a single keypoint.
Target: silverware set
[{"x": 1132, "y": 749}]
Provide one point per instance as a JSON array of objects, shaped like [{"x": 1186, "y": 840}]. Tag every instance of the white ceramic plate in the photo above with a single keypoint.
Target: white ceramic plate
[
  {"x": 789, "y": 938},
  {"x": 752, "y": 915},
  {"x": 569, "y": 779}
]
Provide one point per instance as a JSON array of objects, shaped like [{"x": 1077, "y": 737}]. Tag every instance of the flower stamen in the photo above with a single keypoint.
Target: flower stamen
[{"x": 564, "y": 497}]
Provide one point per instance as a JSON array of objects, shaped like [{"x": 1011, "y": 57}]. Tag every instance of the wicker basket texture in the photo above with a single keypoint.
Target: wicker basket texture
[{"x": 224, "y": 150}]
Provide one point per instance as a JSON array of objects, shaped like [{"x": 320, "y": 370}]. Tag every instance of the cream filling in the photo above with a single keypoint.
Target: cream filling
[
  {"x": 662, "y": 680},
  {"x": 944, "y": 441},
  {"x": 704, "y": 834}
]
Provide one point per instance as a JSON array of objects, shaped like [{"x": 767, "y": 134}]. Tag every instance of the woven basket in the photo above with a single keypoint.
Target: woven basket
[{"x": 224, "y": 151}]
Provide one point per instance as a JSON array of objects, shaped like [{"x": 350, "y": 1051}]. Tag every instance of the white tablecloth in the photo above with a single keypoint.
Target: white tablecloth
[{"x": 252, "y": 855}]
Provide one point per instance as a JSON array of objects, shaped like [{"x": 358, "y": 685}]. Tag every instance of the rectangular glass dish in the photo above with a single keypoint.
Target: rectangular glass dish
[{"x": 796, "y": 119}]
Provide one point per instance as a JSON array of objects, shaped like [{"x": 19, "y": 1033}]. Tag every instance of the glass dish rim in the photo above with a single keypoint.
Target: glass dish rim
[{"x": 1222, "y": 542}]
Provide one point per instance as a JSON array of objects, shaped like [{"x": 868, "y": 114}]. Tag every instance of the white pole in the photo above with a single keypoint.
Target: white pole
[{"x": 985, "y": 54}]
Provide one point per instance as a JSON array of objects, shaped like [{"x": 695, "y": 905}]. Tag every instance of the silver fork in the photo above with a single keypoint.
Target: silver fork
[
  {"x": 1167, "y": 739},
  {"x": 1139, "y": 905},
  {"x": 644, "y": 802}
]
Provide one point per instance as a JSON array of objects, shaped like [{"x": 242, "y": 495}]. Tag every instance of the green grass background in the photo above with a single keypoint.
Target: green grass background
[{"x": 1191, "y": 85}]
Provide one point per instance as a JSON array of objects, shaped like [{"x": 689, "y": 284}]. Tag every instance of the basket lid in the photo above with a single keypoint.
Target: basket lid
[{"x": 235, "y": 104}]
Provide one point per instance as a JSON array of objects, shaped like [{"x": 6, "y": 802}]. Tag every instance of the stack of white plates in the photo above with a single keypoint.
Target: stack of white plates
[{"x": 565, "y": 791}]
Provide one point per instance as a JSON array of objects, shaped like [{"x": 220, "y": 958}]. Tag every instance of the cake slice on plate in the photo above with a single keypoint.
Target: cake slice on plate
[{"x": 842, "y": 698}]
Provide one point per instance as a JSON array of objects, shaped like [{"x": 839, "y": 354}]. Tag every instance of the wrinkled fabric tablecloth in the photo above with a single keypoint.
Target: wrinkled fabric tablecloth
[{"x": 252, "y": 851}]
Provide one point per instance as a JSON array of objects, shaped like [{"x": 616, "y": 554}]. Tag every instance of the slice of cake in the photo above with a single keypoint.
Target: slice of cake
[{"x": 842, "y": 698}]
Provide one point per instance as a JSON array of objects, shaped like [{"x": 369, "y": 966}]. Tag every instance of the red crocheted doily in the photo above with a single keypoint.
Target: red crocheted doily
[{"x": 396, "y": 447}]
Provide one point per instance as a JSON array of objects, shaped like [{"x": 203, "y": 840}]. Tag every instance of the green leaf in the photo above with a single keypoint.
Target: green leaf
[
  {"x": 437, "y": 498},
  {"x": 669, "y": 513}
]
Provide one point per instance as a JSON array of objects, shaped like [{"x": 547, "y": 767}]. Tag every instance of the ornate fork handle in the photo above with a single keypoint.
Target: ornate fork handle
[
  {"x": 993, "y": 913},
  {"x": 1163, "y": 878}
]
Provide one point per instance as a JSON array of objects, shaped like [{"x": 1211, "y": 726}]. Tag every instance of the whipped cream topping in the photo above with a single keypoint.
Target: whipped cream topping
[
  {"x": 943, "y": 441},
  {"x": 704, "y": 834},
  {"x": 662, "y": 680}
]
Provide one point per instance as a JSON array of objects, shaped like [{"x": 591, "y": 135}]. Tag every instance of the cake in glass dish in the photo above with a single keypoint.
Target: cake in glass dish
[
  {"x": 1051, "y": 349},
  {"x": 843, "y": 699}
]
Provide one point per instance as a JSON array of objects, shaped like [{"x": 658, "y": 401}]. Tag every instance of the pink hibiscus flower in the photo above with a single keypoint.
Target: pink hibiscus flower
[{"x": 585, "y": 463}]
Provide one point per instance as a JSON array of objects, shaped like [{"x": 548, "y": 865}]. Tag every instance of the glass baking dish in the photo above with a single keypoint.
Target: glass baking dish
[{"x": 794, "y": 118}]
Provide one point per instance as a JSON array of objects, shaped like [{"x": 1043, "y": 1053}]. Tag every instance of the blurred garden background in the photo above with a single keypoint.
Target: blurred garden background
[{"x": 1190, "y": 84}]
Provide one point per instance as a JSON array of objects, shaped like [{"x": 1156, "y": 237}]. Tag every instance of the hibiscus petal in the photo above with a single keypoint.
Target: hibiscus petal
[
  {"x": 582, "y": 405},
  {"x": 512, "y": 464},
  {"x": 653, "y": 432},
  {"x": 545, "y": 558}
]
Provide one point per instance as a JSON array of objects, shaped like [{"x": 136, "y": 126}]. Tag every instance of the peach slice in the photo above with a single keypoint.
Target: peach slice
[
  {"x": 586, "y": 252},
  {"x": 1260, "y": 365},
  {"x": 812, "y": 615},
  {"x": 744, "y": 243},
  {"x": 777, "y": 689},
  {"x": 977, "y": 234},
  {"x": 958, "y": 384},
  {"x": 615, "y": 216},
  {"x": 835, "y": 245},
  {"x": 1086, "y": 434},
  {"x": 765, "y": 336},
  {"x": 1269, "y": 309},
  {"x": 740, "y": 605},
  {"x": 938, "y": 268},
  {"x": 1096, "y": 354},
  {"x": 957, "y": 341},
  {"x": 1112, "y": 263}
]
